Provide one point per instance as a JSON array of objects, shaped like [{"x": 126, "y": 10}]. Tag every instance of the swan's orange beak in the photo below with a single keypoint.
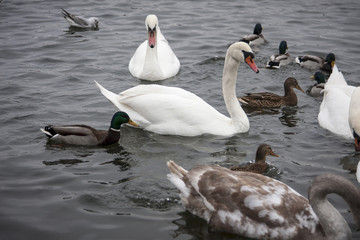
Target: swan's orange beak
[
  {"x": 250, "y": 61},
  {"x": 152, "y": 37}
]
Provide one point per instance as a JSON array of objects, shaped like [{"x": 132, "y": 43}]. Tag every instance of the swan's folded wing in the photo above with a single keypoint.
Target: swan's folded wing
[{"x": 334, "y": 112}]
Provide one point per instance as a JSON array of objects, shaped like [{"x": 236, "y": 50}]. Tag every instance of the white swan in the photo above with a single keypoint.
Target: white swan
[
  {"x": 174, "y": 111},
  {"x": 154, "y": 59},
  {"x": 354, "y": 117},
  {"x": 260, "y": 207},
  {"x": 334, "y": 109}
]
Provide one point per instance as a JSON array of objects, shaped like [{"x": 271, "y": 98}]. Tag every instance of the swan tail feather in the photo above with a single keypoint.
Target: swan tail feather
[
  {"x": 176, "y": 169},
  {"x": 112, "y": 97}
]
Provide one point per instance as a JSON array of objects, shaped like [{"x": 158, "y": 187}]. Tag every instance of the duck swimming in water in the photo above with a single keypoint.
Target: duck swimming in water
[
  {"x": 316, "y": 90},
  {"x": 256, "y": 38},
  {"x": 317, "y": 63},
  {"x": 86, "y": 135},
  {"x": 260, "y": 165},
  {"x": 272, "y": 100},
  {"x": 281, "y": 59}
]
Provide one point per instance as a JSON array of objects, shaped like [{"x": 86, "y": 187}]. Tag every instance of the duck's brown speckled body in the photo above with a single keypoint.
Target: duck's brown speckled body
[
  {"x": 271, "y": 100},
  {"x": 259, "y": 166}
]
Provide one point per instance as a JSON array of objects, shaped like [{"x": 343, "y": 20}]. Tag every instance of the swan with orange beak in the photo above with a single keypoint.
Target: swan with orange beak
[{"x": 154, "y": 59}]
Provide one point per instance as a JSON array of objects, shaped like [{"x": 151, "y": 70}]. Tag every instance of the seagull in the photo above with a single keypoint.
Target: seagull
[{"x": 80, "y": 22}]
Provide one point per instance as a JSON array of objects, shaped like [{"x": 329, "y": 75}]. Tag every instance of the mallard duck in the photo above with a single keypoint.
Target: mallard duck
[
  {"x": 354, "y": 116},
  {"x": 281, "y": 59},
  {"x": 154, "y": 59},
  {"x": 315, "y": 62},
  {"x": 86, "y": 135},
  {"x": 175, "y": 111},
  {"x": 269, "y": 100},
  {"x": 316, "y": 90},
  {"x": 260, "y": 165},
  {"x": 79, "y": 21},
  {"x": 260, "y": 207},
  {"x": 256, "y": 38},
  {"x": 334, "y": 108}
]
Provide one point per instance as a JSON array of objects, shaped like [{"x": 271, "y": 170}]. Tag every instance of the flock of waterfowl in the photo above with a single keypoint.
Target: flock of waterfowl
[{"x": 239, "y": 200}]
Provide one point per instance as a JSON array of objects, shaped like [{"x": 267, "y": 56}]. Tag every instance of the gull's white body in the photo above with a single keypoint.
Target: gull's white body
[
  {"x": 80, "y": 22},
  {"x": 157, "y": 63}
]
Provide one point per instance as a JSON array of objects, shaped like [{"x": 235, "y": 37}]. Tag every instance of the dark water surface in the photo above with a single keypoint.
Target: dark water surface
[{"x": 121, "y": 191}]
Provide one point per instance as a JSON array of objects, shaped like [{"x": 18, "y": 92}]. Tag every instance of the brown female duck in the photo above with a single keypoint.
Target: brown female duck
[
  {"x": 270, "y": 100},
  {"x": 260, "y": 165}
]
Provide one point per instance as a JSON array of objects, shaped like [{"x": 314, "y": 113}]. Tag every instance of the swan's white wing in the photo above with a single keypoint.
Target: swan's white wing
[
  {"x": 354, "y": 111},
  {"x": 336, "y": 78},
  {"x": 169, "y": 63},
  {"x": 169, "y": 110},
  {"x": 136, "y": 64},
  {"x": 334, "y": 112}
]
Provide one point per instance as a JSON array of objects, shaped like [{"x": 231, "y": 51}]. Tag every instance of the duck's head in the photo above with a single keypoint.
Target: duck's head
[
  {"x": 318, "y": 77},
  {"x": 283, "y": 47},
  {"x": 151, "y": 23},
  {"x": 330, "y": 58},
  {"x": 241, "y": 52},
  {"x": 292, "y": 83},
  {"x": 120, "y": 118},
  {"x": 258, "y": 29},
  {"x": 263, "y": 151}
]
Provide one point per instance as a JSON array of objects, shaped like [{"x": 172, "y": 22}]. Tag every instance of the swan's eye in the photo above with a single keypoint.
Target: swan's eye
[{"x": 248, "y": 54}]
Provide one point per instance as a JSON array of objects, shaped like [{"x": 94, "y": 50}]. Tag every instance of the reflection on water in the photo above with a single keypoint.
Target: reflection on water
[
  {"x": 288, "y": 116},
  {"x": 350, "y": 162},
  {"x": 189, "y": 224},
  {"x": 66, "y": 162}
]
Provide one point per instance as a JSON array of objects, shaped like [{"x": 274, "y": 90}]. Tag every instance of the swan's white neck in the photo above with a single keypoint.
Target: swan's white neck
[
  {"x": 151, "y": 63},
  {"x": 332, "y": 222},
  {"x": 237, "y": 114}
]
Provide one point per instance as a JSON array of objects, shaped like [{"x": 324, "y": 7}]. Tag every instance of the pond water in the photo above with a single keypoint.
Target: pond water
[{"x": 47, "y": 74}]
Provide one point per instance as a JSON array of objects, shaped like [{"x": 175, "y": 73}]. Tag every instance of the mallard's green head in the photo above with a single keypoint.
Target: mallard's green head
[
  {"x": 258, "y": 29},
  {"x": 120, "y": 118},
  {"x": 319, "y": 77},
  {"x": 330, "y": 58},
  {"x": 283, "y": 47}
]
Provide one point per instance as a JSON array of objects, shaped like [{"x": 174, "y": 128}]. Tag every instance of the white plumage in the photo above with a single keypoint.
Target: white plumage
[
  {"x": 175, "y": 111},
  {"x": 154, "y": 59},
  {"x": 334, "y": 109}
]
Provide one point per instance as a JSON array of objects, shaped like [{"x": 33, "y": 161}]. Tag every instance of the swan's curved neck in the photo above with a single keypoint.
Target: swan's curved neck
[
  {"x": 237, "y": 114},
  {"x": 151, "y": 63},
  {"x": 332, "y": 222}
]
